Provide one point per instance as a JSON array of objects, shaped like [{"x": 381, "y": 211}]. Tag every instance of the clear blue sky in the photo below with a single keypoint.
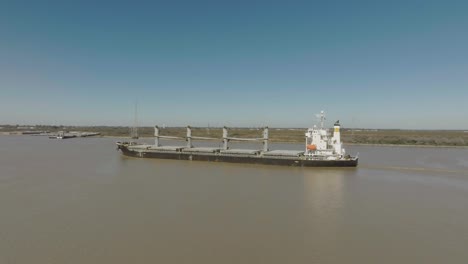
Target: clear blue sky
[{"x": 376, "y": 64}]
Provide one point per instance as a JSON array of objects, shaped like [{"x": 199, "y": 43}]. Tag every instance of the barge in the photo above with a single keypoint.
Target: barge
[
  {"x": 322, "y": 149},
  {"x": 62, "y": 135}
]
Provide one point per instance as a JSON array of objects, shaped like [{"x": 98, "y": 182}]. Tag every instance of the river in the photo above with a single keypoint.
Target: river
[{"x": 80, "y": 201}]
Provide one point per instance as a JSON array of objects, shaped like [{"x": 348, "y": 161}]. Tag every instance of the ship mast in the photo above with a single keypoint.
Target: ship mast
[
  {"x": 322, "y": 118},
  {"x": 134, "y": 130}
]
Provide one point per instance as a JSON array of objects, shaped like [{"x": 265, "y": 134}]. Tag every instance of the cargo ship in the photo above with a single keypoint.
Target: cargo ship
[{"x": 322, "y": 149}]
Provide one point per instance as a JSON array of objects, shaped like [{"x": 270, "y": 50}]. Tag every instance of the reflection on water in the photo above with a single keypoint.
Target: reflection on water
[
  {"x": 323, "y": 188},
  {"x": 324, "y": 201},
  {"x": 80, "y": 201}
]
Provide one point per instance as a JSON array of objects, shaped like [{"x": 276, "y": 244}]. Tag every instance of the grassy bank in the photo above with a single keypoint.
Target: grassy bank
[{"x": 354, "y": 136}]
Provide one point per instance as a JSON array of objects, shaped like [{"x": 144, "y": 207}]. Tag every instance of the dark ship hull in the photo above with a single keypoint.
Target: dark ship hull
[{"x": 214, "y": 156}]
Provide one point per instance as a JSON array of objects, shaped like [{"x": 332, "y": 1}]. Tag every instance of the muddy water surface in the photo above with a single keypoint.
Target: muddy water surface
[{"x": 80, "y": 201}]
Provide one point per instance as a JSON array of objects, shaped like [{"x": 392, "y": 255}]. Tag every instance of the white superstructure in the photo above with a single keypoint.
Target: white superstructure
[{"x": 321, "y": 145}]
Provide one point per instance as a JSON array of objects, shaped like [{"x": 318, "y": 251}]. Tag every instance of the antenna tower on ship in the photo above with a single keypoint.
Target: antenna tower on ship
[
  {"x": 134, "y": 130},
  {"x": 322, "y": 118}
]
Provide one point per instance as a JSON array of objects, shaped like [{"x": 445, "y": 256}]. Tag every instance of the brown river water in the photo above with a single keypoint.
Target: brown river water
[{"x": 80, "y": 201}]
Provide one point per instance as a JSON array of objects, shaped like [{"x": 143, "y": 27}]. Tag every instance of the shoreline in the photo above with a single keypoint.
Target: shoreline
[
  {"x": 349, "y": 144},
  {"x": 282, "y": 142},
  {"x": 345, "y": 144}
]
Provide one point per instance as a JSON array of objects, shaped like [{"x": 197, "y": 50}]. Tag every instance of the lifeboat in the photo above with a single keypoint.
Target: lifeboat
[{"x": 311, "y": 147}]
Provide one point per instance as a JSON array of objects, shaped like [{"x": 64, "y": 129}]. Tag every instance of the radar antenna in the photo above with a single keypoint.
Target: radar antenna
[{"x": 322, "y": 118}]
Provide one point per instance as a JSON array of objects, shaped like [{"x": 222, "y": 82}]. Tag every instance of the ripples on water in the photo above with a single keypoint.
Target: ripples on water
[{"x": 80, "y": 201}]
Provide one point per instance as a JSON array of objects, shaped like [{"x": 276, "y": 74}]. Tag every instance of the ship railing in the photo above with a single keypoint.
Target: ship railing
[
  {"x": 171, "y": 137},
  {"x": 205, "y": 138},
  {"x": 245, "y": 139},
  {"x": 199, "y": 138},
  {"x": 225, "y": 138}
]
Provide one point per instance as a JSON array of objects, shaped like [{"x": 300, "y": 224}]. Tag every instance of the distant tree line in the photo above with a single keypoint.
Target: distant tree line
[{"x": 395, "y": 137}]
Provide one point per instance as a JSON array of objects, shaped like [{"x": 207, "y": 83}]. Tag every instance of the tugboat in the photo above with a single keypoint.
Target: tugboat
[{"x": 321, "y": 149}]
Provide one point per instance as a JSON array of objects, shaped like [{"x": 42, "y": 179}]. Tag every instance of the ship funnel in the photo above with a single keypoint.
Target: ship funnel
[
  {"x": 336, "y": 140},
  {"x": 336, "y": 132}
]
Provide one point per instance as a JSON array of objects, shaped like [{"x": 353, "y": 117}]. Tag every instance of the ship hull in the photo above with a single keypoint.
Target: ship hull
[{"x": 216, "y": 157}]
